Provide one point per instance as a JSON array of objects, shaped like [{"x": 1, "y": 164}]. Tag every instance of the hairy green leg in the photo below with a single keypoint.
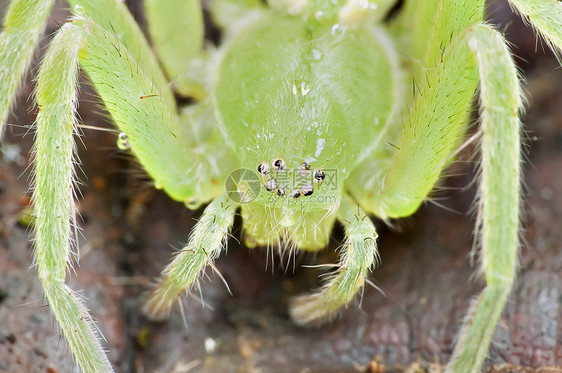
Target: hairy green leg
[
  {"x": 205, "y": 244},
  {"x": 53, "y": 196},
  {"x": 114, "y": 16},
  {"x": 436, "y": 119},
  {"x": 168, "y": 24},
  {"x": 499, "y": 194},
  {"x": 358, "y": 256},
  {"x": 451, "y": 18},
  {"x": 227, "y": 13},
  {"x": 347, "y": 13},
  {"x": 482, "y": 50},
  {"x": 131, "y": 98},
  {"x": 144, "y": 108},
  {"x": 154, "y": 133},
  {"x": 356, "y": 12},
  {"x": 437, "y": 24},
  {"x": 416, "y": 15},
  {"x": 444, "y": 95},
  {"x": 546, "y": 17},
  {"x": 24, "y": 23}
]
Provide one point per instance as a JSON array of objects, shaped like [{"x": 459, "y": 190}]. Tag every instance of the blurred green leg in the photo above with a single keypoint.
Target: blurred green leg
[
  {"x": 176, "y": 29},
  {"x": 24, "y": 23},
  {"x": 499, "y": 194}
]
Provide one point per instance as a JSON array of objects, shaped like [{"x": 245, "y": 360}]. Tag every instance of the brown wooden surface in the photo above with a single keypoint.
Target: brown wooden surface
[{"x": 132, "y": 230}]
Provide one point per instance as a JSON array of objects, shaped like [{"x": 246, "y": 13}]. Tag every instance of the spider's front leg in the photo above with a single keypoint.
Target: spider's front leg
[
  {"x": 143, "y": 109},
  {"x": 53, "y": 196}
]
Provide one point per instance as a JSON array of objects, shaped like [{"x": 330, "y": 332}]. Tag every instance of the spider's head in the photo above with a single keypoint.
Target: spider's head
[
  {"x": 297, "y": 171},
  {"x": 299, "y": 150}
]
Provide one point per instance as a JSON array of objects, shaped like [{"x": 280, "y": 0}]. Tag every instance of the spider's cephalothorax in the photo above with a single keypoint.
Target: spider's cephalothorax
[
  {"x": 300, "y": 115},
  {"x": 301, "y": 112}
]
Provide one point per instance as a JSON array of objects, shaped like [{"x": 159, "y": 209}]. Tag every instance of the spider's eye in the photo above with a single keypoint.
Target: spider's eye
[
  {"x": 279, "y": 164},
  {"x": 280, "y": 192},
  {"x": 319, "y": 175},
  {"x": 270, "y": 185},
  {"x": 263, "y": 168},
  {"x": 296, "y": 194},
  {"x": 307, "y": 189},
  {"x": 305, "y": 166}
]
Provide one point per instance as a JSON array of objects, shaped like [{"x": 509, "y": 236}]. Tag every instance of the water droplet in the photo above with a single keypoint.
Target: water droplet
[
  {"x": 191, "y": 203},
  {"x": 319, "y": 147},
  {"x": 123, "y": 141},
  {"x": 316, "y": 54},
  {"x": 210, "y": 345},
  {"x": 337, "y": 30},
  {"x": 305, "y": 88}
]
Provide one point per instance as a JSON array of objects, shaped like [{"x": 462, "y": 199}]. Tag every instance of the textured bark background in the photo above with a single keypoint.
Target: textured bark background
[{"x": 130, "y": 231}]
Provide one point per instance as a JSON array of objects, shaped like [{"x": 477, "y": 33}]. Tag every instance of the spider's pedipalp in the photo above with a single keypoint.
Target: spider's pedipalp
[
  {"x": 358, "y": 256},
  {"x": 203, "y": 247}
]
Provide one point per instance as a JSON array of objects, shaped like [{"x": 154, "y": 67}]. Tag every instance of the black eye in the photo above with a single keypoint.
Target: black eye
[
  {"x": 307, "y": 189},
  {"x": 279, "y": 164},
  {"x": 280, "y": 192},
  {"x": 305, "y": 166},
  {"x": 319, "y": 175},
  {"x": 263, "y": 168},
  {"x": 296, "y": 194}
]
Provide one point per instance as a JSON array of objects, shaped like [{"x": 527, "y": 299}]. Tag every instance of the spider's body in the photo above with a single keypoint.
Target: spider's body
[
  {"x": 303, "y": 109},
  {"x": 311, "y": 95}
]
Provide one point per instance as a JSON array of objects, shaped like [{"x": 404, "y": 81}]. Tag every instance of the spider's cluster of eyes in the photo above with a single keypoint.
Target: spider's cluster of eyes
[{"x": 309, "y": 180}]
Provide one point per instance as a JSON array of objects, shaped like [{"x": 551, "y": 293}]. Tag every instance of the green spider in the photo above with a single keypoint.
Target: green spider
[{"x": 305, "y": 111}]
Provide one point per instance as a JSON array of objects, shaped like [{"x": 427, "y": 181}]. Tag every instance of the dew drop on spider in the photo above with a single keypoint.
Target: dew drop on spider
[
  {"x": 123, "y": 141},
  {"x": 316, "y": 54},
  {"x": 305, "y": 88},
  {"x": 337, "y": 30},
  {"x": 191, "y": 203}
]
